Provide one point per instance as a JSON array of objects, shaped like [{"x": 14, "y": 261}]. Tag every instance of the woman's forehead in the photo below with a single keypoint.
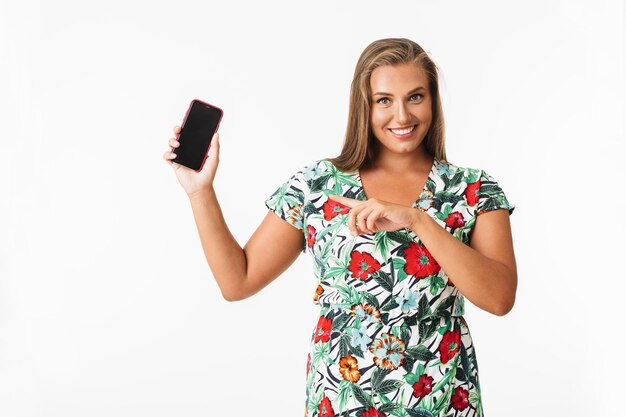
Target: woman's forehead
[{"x": 400, "y": 78}]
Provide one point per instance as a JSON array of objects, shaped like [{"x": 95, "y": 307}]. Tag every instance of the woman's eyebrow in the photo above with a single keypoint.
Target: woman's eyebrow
[{"x": 380, "y": 93}]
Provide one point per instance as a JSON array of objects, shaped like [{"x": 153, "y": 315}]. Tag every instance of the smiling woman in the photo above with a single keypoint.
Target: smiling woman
[{"x": 399, "y": 238}]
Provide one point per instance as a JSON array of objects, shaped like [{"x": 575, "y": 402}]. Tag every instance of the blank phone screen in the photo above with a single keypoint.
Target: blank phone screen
[{"x": 196, "y": 133}]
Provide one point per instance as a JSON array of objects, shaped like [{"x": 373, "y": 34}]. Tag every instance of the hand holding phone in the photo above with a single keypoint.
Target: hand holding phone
[
  {"x": 199, "y": 124},
  {"x": 200, "y": 180}
]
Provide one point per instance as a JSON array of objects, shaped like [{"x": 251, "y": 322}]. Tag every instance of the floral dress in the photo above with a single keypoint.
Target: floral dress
[{"x": 391, "y": 339}]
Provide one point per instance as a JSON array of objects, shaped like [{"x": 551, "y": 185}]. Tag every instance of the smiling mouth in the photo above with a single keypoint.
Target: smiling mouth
[{"x": 403, "y": 131}]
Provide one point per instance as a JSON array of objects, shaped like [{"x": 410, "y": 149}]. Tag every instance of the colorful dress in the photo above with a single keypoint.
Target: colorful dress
[{"x": 391, "y": 339}]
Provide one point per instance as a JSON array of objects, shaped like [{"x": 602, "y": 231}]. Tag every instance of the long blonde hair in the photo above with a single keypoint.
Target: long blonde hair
[{"x": 359, "y": 144}]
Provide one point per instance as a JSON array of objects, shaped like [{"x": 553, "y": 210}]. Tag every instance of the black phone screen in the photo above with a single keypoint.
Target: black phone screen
[{"x": 196, "y": 133}]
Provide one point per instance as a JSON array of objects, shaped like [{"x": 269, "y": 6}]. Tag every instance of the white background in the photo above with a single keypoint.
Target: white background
[{"x": 107, "y": 305}]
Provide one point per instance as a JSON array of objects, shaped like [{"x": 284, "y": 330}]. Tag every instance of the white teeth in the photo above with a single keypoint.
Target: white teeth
[{"x": 403, "y": 131}]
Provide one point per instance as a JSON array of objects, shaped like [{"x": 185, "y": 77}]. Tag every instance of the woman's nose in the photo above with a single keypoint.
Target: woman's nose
[{"x": 402, "y": 115}]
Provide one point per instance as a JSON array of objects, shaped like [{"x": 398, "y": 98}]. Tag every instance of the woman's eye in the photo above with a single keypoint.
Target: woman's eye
[
  {"x": 415, "y": 95},
  {"x": 379, "y": 101}
]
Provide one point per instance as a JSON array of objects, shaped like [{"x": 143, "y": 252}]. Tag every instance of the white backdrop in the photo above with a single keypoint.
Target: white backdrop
[{"x": 107, "y": 305}]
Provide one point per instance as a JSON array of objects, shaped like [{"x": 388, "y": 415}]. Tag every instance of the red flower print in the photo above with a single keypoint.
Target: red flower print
[
  {"x": 325, "y": 408},
  {"x": 308, "y": 363},
  {"x": 372, "y": 412},
  {"x": 322, "y": 332},
  {"x": 318, "y": 291},
  {"x": 310, "y": 238},
  {"x": 471, "y": 193},
  {"x": 449, "y": 345},
  {"x": 419, "y": 261},
  {"x": 349, "y": 368},
  {"x": 423, "y": 386},
  {"x": 455, "y": 220},
  {"x": 333, "y": 208},
  {"x": 460, "y": 400},
  {"x": 362, "y": 264}
]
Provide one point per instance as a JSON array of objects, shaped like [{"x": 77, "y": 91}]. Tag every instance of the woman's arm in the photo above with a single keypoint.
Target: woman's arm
[
  {"x": 484, "y": 272},
  {"x": 241, "y": 273}
]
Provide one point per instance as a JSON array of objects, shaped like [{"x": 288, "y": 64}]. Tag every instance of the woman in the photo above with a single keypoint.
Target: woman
[{"x": 383, "y": 221}]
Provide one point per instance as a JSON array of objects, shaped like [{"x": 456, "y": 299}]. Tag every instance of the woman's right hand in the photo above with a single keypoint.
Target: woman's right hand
[{"x": 194, "y": 182}]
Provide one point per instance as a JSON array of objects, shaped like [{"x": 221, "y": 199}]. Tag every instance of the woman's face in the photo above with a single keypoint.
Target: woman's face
[{"x": 401, "y": 110}]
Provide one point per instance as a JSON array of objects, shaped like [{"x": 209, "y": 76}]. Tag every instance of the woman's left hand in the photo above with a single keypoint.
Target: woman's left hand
[{"x": 374, "y": 215}]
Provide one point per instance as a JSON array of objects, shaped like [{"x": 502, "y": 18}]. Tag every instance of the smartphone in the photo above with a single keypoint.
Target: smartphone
[{"x": 200, "y": 123}]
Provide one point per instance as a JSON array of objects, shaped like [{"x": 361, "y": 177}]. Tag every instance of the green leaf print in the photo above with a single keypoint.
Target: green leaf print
[
  {"x": 405, "y": 333},
  {"x": 361, "y": 396},
  {"x": 371, "y": 299},
  {"x": 344, "y": 394},
  {"x": 384, "y": 280},
  {"x": 388, "y": 407},
  {"x": 472, "y": 176},
  {"x": 423, "y": 308},
  {"x": 427, "y": 328},
  {"x": 319, "y": 183},
  {"x": 340, "y": 321},
  {"x": 378, "y": 375},
  {"x": 420, "y": 353},
  {"x": 419, "y": 412},
  {"x": 382, "y": 244},
  {"x": 443, "y": 197},
  {"x": 444, "y": 307},
  {"x": 390, "y": 305},
  {"x": 456, "y": 179},
  {"x": 437, "y": 283},
  {"x": 344, "y": 345},
  {"x": 408, "y": 363},
  {"x": 338, "y": 222},
  {"x": 400, "y": 237},
  {"x": 335, "y": 271},
  {"x": 388, "y": 386}
]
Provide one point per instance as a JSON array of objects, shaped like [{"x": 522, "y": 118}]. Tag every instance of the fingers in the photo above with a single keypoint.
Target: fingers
[
  {"x": 168, "y": 156},
  {"x": 365, "y": 220},
  {"x": 362, "y": 220},
  {"x": 214, "y": 147},
  {"x": 173, "y": 143}
]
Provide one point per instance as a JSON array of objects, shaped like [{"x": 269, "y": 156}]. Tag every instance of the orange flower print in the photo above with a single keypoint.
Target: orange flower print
[
  {"x": 349, "y": 368},
  {"x": 294, "y": 215},
  {"x": 362, "y": 265},
  {"x": 388, "y": 351},
  {"x": 318, "y": 291}
]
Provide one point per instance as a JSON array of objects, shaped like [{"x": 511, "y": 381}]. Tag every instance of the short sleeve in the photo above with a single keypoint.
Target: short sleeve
[
  {"x": 491, "y": 196},
  {"x": 289, "y": 200}
]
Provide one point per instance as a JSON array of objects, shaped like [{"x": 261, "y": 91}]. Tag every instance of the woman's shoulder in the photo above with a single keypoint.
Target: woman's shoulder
[
  {"x": 316, "y": 168},
  {"x": 452, "y": 170}
]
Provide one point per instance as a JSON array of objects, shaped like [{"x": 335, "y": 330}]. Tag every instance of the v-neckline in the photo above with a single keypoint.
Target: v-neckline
[{"x": 424, "y": 188}]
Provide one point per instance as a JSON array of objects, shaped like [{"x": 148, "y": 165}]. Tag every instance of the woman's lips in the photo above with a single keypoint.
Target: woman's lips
[{"x": 403, "y": 132}]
